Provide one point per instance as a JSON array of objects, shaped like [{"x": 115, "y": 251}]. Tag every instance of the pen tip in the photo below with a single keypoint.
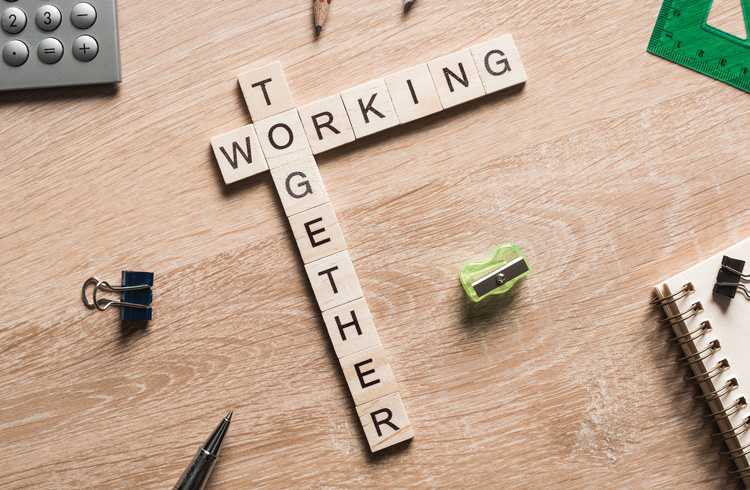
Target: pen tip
[
  {"x": 317, "y": 30},
  {"x": 229, "y": 417}
]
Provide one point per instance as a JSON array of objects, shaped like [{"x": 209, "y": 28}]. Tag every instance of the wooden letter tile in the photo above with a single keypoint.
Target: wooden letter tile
[
  {"x": 317, "y": 233},
  {"x": 456, "y": 78},
  {"x": 368, "y": 375},
  {"x": 499, "y": 64},
  {"x": 333, "y": 280},
  {"x": 351, "y": 328},
  {"x": 266, "y": 91},
  {"x": 299, "y": 185},
  {"x": 238, "y": 153},
  {"x": 282, "y": 138},
  {"x": 370, "y": 108},
  {"x": 385, "y": 422},
  {"x": 326, "y": 124},
  {"x": 413, "y": 93}
]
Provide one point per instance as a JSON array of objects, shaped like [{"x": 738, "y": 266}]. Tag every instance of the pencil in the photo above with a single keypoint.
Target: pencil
[
  {"x": 320, "y": 12},
  {"x": 407, "y": 5}
]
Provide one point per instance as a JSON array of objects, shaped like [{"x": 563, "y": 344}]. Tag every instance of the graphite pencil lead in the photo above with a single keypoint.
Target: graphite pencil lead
[
  {"x": 407, "y": 5},
  {"x": 320, "y": 12}
]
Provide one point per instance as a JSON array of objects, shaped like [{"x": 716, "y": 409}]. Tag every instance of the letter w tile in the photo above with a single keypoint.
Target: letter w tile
[{"x": 248, "y": 156}]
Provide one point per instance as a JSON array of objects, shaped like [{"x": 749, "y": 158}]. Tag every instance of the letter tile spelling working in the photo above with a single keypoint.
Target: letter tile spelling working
[
  {"x": 283, "y": 138},
  {"x": 413, "y": 93},
  {"x": 499, "y": 64},
  {"x": 238, "y": 153},
  {"x": 456, "y": 78},
  {"x": 326, "y": 124},
  {"x": 370, "y": 108}
]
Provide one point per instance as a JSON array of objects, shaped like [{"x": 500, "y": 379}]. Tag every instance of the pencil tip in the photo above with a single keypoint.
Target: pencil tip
[
  {"x": 318, "y": 29},
  {"x": 407, "y": 6}
]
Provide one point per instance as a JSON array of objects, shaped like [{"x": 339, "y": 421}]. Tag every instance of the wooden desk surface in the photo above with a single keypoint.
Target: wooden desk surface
[{"x": 612, "y": 169}]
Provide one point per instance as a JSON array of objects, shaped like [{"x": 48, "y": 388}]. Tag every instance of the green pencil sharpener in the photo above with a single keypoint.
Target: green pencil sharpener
[{"x": 496, "y": 274}]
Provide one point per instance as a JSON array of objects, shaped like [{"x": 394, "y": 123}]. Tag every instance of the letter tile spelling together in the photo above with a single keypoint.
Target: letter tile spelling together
[{"x": 284, "y": 138}]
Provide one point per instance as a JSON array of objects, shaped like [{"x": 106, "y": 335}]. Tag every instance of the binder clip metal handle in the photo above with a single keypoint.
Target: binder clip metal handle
[
  {"x": 135, "y": 295},
  {"x": 102, "y": 304}
]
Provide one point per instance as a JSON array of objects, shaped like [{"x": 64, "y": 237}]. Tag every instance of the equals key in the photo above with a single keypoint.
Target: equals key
[{"x": 50, "y": 50}]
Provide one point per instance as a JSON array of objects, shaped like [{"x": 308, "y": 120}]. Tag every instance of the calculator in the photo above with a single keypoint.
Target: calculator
[{"x": 54, "y": 43}]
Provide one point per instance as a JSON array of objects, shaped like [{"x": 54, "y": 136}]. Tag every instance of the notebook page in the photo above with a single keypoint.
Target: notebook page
[{"x": 730, "y": 319}]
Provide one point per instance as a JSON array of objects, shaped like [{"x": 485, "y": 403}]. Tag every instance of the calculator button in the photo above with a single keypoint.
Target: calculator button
[
  {"x": 13, "y": 20},
  {"x": 83, "y": 15},
  {"x": 50, "y": 50},
  {"x": 15, "y": 53},
  {"x": 48, "y": 18},
  {"x": 85, "y": 48}
]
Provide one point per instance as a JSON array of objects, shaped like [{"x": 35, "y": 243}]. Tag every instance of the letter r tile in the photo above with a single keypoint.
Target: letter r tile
[
  {"x": 299, "y": 185},
  {"x": 385, "y": 422},
  {"x": 326, "y": 124}
]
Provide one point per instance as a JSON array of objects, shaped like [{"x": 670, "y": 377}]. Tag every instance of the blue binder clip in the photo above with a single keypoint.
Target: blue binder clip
[{"x": 135, "y": 295}]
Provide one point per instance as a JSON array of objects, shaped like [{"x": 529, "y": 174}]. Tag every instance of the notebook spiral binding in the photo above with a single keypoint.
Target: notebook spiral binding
[
  {"x": 734, "y": 431},
  {"x": 720, "y": 367},
  {"x": 666, "y": 300},
  {"x": 713, "y": 395},
  {"x": 700, "y": 356},
  {"x": 702, "y": 330},
  {"x": 712, "y": 347},
  {"x": 735, "y": 407}
]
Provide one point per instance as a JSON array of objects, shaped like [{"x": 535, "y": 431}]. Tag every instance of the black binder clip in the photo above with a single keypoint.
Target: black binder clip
[
  {"x": 135, "y": 295},
  {"x": 730, "y": 276}
]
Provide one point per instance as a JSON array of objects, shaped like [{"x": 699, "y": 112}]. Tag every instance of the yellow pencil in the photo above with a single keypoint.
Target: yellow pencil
[
  {"x": 407, "y": 5},
  {"x": 320, "y": 12}
]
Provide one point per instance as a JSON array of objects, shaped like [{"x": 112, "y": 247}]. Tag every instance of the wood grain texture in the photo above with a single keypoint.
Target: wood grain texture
[{"x": 612, "y": 170}]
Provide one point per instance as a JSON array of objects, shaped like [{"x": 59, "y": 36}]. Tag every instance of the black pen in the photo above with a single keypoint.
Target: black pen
[{"x": 196, "y": 475}]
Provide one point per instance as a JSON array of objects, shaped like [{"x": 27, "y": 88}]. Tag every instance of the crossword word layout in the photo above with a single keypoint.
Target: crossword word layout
[{"x": 283, "y": 139}]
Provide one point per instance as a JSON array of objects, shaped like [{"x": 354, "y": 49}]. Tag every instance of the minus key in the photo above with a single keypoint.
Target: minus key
[{"x": 83, "y": 15}]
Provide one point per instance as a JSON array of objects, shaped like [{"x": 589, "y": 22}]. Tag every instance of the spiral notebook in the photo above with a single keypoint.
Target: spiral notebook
[{"x": 713, "y": 331}]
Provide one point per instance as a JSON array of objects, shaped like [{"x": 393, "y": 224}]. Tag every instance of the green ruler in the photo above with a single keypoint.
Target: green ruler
[{"x": 683, "y": 36}]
